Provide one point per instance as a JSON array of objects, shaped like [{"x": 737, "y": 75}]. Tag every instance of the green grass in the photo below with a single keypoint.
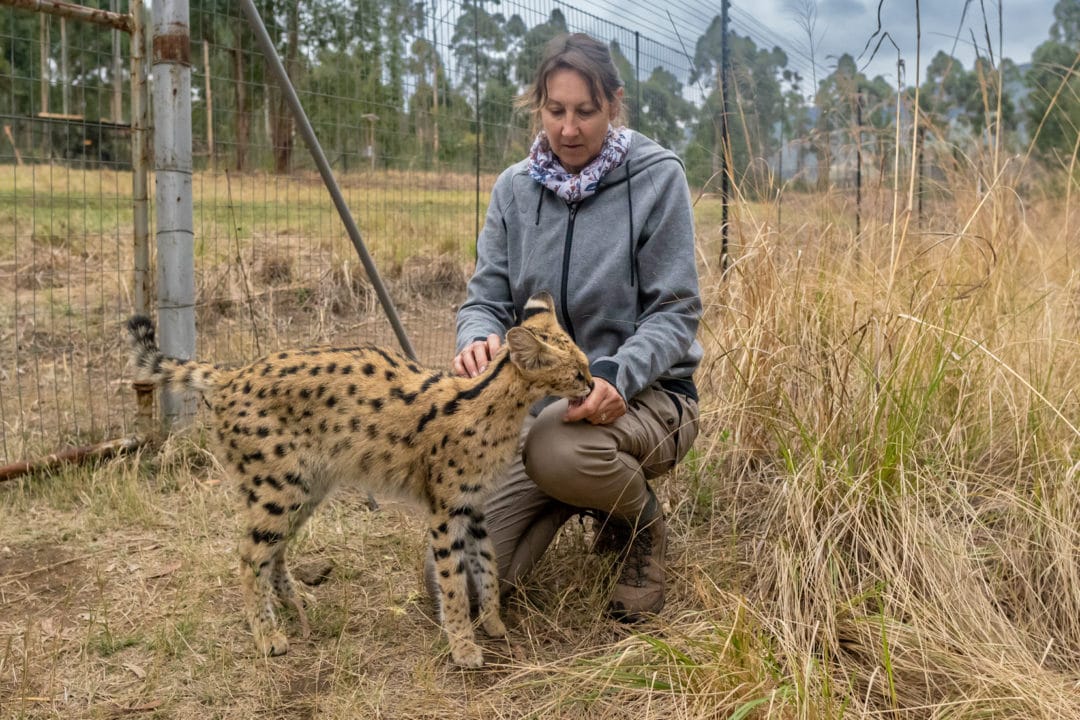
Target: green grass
[{"x": 77, "y": 210}]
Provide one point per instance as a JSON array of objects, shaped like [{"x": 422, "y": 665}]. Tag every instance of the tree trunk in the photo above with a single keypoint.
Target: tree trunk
[
  {"x": 65, "y": 76},
  {"x": 209, "y": 106},
  {"x": 43, "y": 105},
  {"x": 243, "y": 120},
  {"x": 281, "y": 124},
  {"x": 434, "y": 85},
  {"x": 117, "y": 105},
  {"x": 824, "y": 159}
]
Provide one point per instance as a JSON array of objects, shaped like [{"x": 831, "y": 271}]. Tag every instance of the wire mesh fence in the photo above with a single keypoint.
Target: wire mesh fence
[
  {"x": 65, "y": 230},
  {"x": 413, "y": 103}
]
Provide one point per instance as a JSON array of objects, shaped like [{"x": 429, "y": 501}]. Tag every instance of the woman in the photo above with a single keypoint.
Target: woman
[{"x": 599, "y": 216}]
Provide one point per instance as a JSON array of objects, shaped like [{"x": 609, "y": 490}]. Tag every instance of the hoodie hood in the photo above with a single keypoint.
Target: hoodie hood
[{"x": 643, "y": 156}]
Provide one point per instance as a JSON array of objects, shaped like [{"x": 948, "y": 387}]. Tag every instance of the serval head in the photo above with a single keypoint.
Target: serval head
[{"x": 545, "y": 355}]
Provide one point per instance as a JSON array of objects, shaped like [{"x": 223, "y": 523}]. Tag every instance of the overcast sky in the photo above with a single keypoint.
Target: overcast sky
[{"x": 846, "y": 25}]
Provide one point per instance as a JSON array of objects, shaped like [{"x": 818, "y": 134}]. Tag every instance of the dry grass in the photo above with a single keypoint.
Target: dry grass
[{"x": 879, "y": 518}]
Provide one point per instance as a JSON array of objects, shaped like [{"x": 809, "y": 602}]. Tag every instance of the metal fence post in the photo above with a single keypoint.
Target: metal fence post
[
  {"x": 173, "y": 196},
  {"x": 725, "y": 166},
  {"x": 637, "y": 80},
  {"x": 140, "y": 163},
  {"x": 858, "y": 164}
]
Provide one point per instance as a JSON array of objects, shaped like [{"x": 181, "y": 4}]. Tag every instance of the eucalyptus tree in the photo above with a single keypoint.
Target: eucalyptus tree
[
  {"x": 952, "y": 97},
  {"x": 837, "y": 100},
  {"x": 754, "y": 105},
  {"x": 236, "y": 64},
  {"x": 1053, "y": 83},
  {"x": 532, "y": 45},
  {"x": 665, "y": 113},
  {"x": 484, "y": 49}
]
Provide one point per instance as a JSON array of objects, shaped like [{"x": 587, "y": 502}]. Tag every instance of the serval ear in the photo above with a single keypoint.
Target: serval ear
[
  {"x": 528, "y": 351},
  {"x": 539, "y": 304}
]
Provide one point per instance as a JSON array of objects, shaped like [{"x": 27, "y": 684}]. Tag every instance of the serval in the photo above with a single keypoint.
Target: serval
[{"x": 295, "y": 424}]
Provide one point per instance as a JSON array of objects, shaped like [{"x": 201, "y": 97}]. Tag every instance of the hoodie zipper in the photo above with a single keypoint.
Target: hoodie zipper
[{"x": 564, "y": 299}]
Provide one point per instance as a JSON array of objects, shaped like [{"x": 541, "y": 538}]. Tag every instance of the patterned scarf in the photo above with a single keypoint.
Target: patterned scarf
[{"x": 546, "y": 169}]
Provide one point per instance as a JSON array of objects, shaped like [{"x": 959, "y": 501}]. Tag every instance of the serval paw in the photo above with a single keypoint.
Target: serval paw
[
  {"x": 273, "y": 644},
  {"x": 494, "y": 627},
  {"x": 467, "y": 654}
]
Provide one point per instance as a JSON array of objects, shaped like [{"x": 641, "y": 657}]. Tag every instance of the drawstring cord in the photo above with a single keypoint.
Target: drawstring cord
[{"x": 630, "y": 212}]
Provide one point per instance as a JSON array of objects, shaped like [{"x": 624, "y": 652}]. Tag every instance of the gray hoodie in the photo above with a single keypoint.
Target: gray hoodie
[{"x": 620, "y": 265}]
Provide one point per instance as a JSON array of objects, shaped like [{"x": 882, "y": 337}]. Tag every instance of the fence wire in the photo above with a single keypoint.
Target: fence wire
[
  {"x": 413, "y": 102},
  {"x": 65, "y": 231}
]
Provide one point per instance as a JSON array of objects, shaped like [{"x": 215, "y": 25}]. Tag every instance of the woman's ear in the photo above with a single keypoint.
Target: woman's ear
[{"x": 615, "y": 106}]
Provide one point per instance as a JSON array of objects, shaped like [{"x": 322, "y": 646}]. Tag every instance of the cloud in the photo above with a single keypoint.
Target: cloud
[
  {"x": 847, "y": 24},
  {"x": 844, "y": 9}
]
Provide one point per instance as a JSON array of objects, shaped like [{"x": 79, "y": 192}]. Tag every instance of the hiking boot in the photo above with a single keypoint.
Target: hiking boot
[
  {"x": 640, "y": 588},
  {"x": 611, "y": 536}
]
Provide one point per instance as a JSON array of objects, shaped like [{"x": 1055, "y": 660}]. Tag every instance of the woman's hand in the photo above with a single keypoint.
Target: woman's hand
[
  {"x": 474, "y": 359},
  {"x": 602, "y": 406}
]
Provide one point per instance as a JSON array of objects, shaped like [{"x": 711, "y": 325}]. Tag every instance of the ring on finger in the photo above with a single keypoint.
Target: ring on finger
[{"x": 603, "y": 417}]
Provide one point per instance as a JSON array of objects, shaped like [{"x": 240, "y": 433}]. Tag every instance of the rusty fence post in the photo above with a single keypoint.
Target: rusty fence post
[{"x": 175, "y": 226}]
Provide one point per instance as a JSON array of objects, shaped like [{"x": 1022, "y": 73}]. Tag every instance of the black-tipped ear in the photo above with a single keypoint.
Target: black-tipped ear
[
  {"x": 527, "y": 351},
  {"x": 541, "y": 302}
]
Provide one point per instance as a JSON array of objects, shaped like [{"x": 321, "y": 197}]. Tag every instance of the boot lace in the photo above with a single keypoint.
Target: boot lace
[{"x": 638, "y": 556}]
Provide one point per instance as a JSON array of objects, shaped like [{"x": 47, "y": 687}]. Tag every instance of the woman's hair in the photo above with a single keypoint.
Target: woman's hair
[{"x": 583, "y": 54}]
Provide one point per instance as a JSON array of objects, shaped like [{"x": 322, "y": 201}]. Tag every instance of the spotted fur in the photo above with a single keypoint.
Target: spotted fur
[{"x": 296, "y": 423}]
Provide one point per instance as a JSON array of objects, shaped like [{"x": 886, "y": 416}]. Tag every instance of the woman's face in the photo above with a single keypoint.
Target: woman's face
[{"x": 574, "y": 124}]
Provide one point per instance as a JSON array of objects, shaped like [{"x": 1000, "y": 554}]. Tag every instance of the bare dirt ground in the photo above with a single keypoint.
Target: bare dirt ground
[{"x": 119, "y": 598}]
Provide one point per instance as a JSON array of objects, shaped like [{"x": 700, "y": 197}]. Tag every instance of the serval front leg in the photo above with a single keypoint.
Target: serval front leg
[
  {"x": 448, "y": 541},
  {"x": 485, "y": 574}
]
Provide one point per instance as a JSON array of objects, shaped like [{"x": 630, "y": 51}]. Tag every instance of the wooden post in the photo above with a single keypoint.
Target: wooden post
[
  {"x": 65, "y": 78},
  {"x": 117, "y": 72},
  {"x": 209, "y": 104}
]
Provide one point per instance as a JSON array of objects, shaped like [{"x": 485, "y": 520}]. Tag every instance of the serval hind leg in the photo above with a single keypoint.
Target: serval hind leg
[
  {"x": 480, "y": 556},
  {"x": 277, "y": 507},
  {"x": 289, "y": 593}
]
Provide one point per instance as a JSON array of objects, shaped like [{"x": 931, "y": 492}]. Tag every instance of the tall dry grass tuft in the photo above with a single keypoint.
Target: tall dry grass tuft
[{"x": 893, "y": 428}]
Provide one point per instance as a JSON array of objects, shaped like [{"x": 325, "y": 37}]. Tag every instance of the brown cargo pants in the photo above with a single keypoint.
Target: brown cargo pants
[{"x": 564, "y": 468}]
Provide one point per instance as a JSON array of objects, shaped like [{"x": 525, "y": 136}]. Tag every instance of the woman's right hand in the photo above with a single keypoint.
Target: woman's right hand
[{"x": 474, "y": 359}]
